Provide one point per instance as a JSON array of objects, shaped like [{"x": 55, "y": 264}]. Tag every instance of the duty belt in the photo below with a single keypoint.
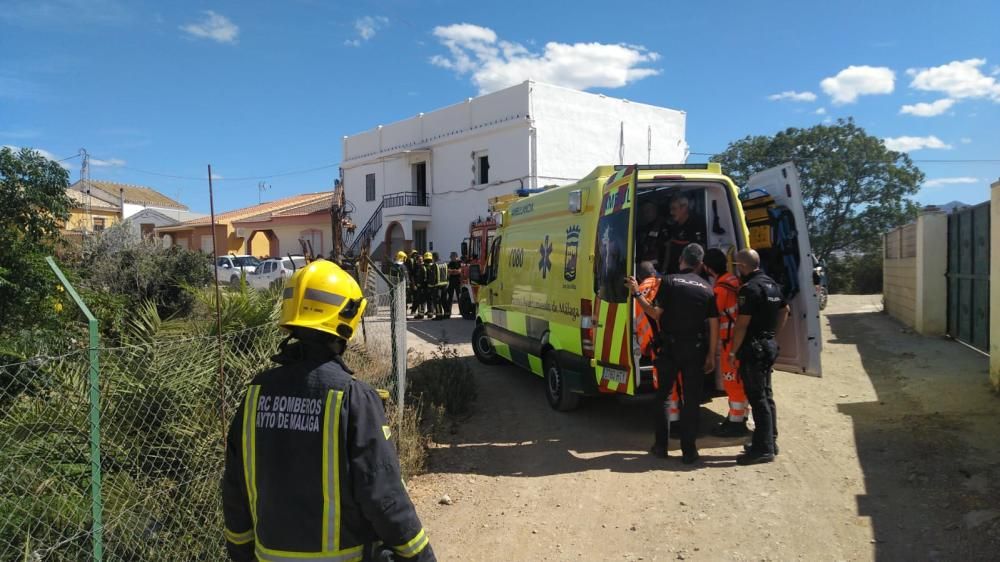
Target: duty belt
[{"x": 763, "y": 336}]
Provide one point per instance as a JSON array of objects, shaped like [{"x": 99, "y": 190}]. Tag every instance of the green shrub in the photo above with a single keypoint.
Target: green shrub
[{"x": 443, "y": 380}]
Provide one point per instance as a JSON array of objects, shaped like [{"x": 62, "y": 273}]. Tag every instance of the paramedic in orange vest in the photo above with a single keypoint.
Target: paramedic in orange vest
[
  {"x": 727, "y": 287},
  {"x": 645, "y": 332}
]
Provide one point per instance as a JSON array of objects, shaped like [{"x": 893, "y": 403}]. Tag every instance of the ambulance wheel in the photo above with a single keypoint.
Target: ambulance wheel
[
  {"x": 483, "y": 348},
  {"x": 466, "y": 307},
  {"x": 555, "y": 385}
]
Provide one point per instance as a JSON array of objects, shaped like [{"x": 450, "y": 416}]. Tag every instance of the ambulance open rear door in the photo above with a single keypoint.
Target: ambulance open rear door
[
  {"x": 801, "y": 340},
  {"x": 612, "y": 312}
]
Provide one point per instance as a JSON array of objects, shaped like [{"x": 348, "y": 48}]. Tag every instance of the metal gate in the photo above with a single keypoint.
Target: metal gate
[{"x": 969, "y": 276}]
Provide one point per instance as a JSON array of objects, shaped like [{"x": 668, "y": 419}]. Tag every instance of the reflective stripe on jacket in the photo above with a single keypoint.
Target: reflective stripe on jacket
[{"x": 311, "y": 473}]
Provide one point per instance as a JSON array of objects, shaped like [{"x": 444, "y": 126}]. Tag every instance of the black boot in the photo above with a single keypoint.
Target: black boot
[{"x": 730, "y": 429}]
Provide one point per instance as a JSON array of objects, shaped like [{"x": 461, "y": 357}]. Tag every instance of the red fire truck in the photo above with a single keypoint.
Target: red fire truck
[{"x": 474, "y": 249}]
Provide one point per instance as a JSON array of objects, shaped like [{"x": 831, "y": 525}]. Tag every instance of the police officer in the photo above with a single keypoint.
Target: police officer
[
  {"x": 762, "y": 313},
  {"x": 689, "y": 334},
  {"x": 686, "y": 229},
  {"x": 454, "y": 283},
  {"x": 310, "y": 472}
]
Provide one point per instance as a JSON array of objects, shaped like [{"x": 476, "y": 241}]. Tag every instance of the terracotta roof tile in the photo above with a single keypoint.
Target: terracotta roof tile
[
  {"x": 80, "y": 200},
  {"x": 265, "y": 210},
  {"x": 136, "y": 194}
]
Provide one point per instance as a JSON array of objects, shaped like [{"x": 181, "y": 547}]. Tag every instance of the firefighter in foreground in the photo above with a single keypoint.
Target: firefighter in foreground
[
  {"x": 726, "y": 288},
  {"x": 763, "y": 312},
  {"x": 689, "y": 331},
  {"x": 310, "y": 472}
]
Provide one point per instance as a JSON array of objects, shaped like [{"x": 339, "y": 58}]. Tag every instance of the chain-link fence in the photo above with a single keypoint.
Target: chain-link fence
[{"x": 165, "y": 405}]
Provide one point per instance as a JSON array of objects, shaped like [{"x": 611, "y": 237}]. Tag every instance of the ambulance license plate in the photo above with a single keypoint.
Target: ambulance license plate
[{"x": 615, "y": 375}]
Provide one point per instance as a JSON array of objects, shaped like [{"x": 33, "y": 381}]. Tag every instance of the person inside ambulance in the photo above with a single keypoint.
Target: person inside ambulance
[
  {"x": 726, "y": 287},
  {"x": 651, "y": 235},
  {"x": 310, "y": 472},
  {"x": 685, "y": 229}
]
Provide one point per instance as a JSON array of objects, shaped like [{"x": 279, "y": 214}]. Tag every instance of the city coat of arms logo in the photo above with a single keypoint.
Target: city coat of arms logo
[{"x": 572, "y": 249}]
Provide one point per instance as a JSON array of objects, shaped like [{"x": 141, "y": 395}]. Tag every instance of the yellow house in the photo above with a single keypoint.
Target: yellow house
[
  {"x": 89, "y": 214},
  {"x": 255, "y": 230}
]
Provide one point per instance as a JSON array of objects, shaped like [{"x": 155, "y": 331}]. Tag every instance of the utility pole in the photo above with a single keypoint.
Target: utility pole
[{"x": 85, "y": 185}]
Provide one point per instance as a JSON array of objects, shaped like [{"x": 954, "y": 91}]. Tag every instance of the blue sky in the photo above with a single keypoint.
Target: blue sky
[{"x": 261, "y": 88}]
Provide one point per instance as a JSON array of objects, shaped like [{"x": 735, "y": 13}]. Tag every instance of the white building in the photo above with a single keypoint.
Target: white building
[{"x": 419, "y": 182}]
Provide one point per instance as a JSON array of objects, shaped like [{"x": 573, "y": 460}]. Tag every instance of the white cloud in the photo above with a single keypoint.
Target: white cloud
[
  {"x": 957, "y": 79},
  {"x": 909, "y": 144},
  {"x": 855, "y": 81},
  {"x": 44, "y": 153},
  {"x": 792, "y": 95},
  {"x": 928, "y": 109},
  {"x": 937, "y": 182},
  {"x": 494, "y": 64},
  {"x": 820, "y": 111},
  {"x": 367, "y": 27},
  {"x": 216, "y": 27},
  {"x": 109, "y": 163},
  {"x": 966, "y": 140}
]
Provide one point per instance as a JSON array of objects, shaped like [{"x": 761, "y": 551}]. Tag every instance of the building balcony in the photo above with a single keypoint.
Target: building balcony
[{"x": 406, "y": 204}]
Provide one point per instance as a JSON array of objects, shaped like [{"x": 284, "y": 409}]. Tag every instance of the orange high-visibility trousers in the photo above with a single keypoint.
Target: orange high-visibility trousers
[
  {"x": 726, "y": 297},
  {"x": 645, "y": 334}
]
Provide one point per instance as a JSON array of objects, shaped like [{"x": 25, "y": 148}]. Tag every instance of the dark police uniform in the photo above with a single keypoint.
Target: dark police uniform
[
  {"x": 687, "y": 302},
  {"x": 761, "y": 299},
  {"x": 680, "y": 235},
  {"x": 310, "y": 472},
  {"x": 454, "y": 285}
]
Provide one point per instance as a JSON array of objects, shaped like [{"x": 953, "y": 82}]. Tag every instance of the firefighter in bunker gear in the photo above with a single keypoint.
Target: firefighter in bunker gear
[
  {"x": 310, "y": 472},
  {"x": 646, "y": 334},
  {"x": 726, "y": 288}
]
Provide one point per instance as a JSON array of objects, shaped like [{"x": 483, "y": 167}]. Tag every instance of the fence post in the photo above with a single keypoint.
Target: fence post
[
  {"x": 398, "y": 322},
  {"x": 95, "y": 414}
]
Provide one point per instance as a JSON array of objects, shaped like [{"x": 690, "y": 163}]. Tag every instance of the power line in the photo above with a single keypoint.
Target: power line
[{"x": 242, "y": 178}]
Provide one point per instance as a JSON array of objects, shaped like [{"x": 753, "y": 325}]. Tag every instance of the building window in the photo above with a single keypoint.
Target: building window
[
  {"x": 482, "y": 168},
  {"x": 146, "y": 229},
  {"x": 420, "y": 239},
  {"x": 98, "y": 224},
  {"x": 206, "y": 243},
  {"x": 370, "y": 187}
]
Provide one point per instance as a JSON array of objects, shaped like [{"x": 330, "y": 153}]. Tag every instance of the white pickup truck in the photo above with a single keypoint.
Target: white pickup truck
[
  {"x": 230, "y": 267},
  {"x": 273, "y": 272}
]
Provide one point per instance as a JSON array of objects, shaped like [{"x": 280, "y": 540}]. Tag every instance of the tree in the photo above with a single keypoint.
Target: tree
[
  {"x": 35, "y": 205},
  {"x": 853, "y": 187}
]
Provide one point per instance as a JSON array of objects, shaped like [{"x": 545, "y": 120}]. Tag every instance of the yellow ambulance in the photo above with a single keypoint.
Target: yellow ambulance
[{"x": 552, "y": 294}]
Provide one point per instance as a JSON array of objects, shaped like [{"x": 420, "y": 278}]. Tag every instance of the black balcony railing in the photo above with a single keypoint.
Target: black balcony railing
[{"x": 406, "y": 199}]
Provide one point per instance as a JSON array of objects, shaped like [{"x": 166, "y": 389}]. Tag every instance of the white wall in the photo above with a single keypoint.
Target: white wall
[
  {"x": 578, "y": 131},
  {"x": 527, "y": 130}
]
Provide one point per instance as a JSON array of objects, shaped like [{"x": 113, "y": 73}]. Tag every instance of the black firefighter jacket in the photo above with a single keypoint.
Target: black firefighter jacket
[{"x": 310, "y": 472}]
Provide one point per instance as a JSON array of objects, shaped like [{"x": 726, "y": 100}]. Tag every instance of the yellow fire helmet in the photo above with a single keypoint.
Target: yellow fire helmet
[
  {"x": 322, "y": 296},
  {"x": 400, "y": 255},
  {"x": 429, "y": 256}
]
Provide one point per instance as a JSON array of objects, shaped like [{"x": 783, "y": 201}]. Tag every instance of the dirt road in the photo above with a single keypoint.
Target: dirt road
[{"x": 893, "y": 455}]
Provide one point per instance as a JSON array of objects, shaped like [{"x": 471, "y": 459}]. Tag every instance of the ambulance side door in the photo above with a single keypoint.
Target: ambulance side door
[
  {"x": 801, "y": 340},
  {"x": 614, "y": 241}
]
